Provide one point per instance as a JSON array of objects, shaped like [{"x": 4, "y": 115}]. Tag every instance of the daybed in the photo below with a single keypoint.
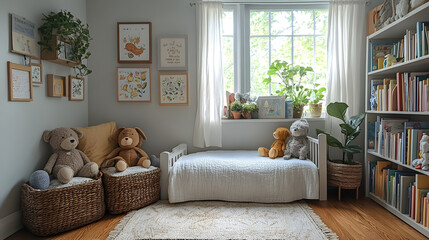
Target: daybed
[{"x": 243, "y": 175}]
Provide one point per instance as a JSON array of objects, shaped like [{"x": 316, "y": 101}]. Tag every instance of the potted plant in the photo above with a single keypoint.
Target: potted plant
[
  {"x": 250, "y": 110},
  {"x": 236, "y": 108},
  {"x": 315, "y": 105},
  {"x": 344, "y": 173},
  {"x": 291, "y": 84},
  {"x": 62, "y": 27}
]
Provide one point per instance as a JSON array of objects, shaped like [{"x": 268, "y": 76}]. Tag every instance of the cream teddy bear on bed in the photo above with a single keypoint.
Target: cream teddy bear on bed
[{"x": 298, "y": 145}]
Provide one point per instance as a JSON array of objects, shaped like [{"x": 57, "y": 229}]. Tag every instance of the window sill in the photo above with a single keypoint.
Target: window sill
[{"x": 228, "y": 121}]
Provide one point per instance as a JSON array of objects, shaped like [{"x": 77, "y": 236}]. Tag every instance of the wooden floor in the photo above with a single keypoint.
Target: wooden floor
[{"x": 349, "y": 218}]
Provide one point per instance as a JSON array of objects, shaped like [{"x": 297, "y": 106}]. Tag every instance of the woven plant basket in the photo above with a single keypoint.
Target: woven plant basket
[
  {"x": 344, "y": 175},
  {"x": 133, "y": 191},
  {"x": 51, "y": 211}
]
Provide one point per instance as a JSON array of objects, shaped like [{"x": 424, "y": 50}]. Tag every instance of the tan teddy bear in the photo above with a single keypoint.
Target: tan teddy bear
[
  {"x": 67, "y": 162},
  {"x": 278, "y": 147},
  {"x": 129, "y": 152}
]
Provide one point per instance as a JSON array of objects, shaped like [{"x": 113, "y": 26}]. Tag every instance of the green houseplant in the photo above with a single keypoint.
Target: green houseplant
[
  {"x": 236, "y": 108},
  {"x": 291, "y": 83},
  {"x": 344, "y": 173},
  {"x": 316, "y": 96},
  {"x": 65, "y": 27},
  {"x": 249, "y": 109}
]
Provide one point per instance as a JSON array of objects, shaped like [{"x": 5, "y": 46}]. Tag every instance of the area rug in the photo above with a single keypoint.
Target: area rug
[{"x": 222, "y": 220}]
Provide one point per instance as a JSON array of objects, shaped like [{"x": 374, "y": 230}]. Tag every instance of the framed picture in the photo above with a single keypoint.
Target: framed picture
[
  {"x": 61, "y": 53},
  {"x": 23, "y": 36},
  {"x": 134, "y": 84},
  {"x": 68, "y": 52},
  {"x": 57, "y": 85},
  {"x": 20, "y": 87},
  {"x": 134, "y": 42},
  {"x": 173, "y": 89},
  {"x": 36, "y": 70},
  {"x": 173, "y": 52},
  {"x": 271, "y": 107},
  {"x": 76, "y": 89}
]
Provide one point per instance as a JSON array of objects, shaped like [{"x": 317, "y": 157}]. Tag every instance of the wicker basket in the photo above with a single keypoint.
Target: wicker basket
[
  {"x": 344, "y": 175},
  {"x": 133, "y": 191},
  {"x": 51, "y": 211}
]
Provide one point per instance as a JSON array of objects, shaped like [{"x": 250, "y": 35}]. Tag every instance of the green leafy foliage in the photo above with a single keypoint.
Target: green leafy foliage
[
  {"x": 291, "y": 81},
  {"x": 250, "y": 108},
  {"x": 317, "y": 94},
  {"x": 349, "y": 128},
  {"x": 236, "y": 106},
  {"x": 69, "y": 29}
]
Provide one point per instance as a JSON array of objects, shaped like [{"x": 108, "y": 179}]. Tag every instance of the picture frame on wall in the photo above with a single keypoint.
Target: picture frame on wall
[
  {"x": 20, "y": 82},
  {"x": 36, "y": 70},
  {"x": 271, "y": 106},
  {"x": 76, "y": 88},
  {"x": 57, "y": 85},
  {"x": 134, "y": 84},
  {"x": 173, "y": 52},
  {"x": 173, "y": 89},
  {"x": 134, "y": 42},
  {"x": 23, "y": 36}
]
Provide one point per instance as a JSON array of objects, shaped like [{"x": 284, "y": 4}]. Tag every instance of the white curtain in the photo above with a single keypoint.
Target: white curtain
[
  {"x": 208, "y": 126},
  {"x": 346, "y": 58}
]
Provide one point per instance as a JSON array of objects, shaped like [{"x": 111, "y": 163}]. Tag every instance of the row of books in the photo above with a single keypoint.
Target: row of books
[
  {"x": 406, "y": 92},
  {"x": 404, "y": 190},
  {"x": 396, "y": 138},
  {"x": 414, "y": 44}
]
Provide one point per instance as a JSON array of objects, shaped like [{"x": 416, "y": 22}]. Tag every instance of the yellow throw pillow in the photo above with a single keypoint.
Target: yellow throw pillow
[{"x": 98, "y": 141}]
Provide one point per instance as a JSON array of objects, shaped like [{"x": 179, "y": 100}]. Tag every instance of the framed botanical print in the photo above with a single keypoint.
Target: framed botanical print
[
  {"x": 173, "y": 51},
  {"x": 20, "y": 87},
  {"x": 23, "y": 34},
  {"x": 271, "y": 106},
  {"x": 134, "y": 42},
  {"x": 76, "y": 88},
  {"x": 134, "y": 84},
  {"x": 173, "y": 89},
  {"x": 36, "y": 70},
  {"x": 57, "y": 85}
]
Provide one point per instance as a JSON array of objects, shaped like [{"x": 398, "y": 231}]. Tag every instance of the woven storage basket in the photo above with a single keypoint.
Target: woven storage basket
[
  {"x": 133, "y": 191},
  {"x": 51, "y": 211},
  {"x": 344, "y": 175}
]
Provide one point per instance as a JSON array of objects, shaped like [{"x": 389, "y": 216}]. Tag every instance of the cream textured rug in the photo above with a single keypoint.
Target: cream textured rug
[{"x": 222, "y": 220}]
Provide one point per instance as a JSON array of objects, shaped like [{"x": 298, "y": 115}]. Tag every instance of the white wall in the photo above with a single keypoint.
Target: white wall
[
  {"x": 22, "y": 124},
  {"x": 165, "y": 126}
]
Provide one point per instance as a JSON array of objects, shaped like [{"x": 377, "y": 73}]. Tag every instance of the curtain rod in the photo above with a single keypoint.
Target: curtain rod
[{"x": 284, "y": 2}]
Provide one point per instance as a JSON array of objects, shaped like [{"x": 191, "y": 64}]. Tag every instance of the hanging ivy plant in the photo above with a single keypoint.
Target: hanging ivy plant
[{"x": 68, "y": 29}]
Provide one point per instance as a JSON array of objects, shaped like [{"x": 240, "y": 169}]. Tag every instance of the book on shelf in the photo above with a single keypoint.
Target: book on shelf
[
  {"x": 371, "y": 136},
  {"x": 405, "y": 182},
  {"x": 379, "y": 184},
  {"x": 407, "y": 142},
  {"x": 421, "y": 38},
  {"x": 389, "y": 133},
  {"x": 422, "y": 187},
  {"x": 378, "y": 51}
]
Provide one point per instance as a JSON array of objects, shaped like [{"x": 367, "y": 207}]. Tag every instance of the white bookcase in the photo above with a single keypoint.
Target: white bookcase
[{"x": 395, "y": 31}]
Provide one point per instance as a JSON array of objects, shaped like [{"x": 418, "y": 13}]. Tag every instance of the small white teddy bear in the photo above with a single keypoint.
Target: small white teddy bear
[
  {"x": 424, "y": 152},
  {"x": 298, "y": 145}
]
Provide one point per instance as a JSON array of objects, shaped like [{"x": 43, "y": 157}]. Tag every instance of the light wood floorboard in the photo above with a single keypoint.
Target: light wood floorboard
[{"x": 349, "y": 218}]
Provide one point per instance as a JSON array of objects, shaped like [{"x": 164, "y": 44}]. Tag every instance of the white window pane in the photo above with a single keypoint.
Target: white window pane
[
  {"x": 281, "y": 49},
  {"x": 303, "y": 51},
  {"x": 321, "y": 22},
  {"x": 228, "y": 63},
  {"x": 321, "y": 52},
  {"x": 303, "y": 23},
  {"x": 259, "y": 63},
  {"x": 281, "y": 23},
  {"x": 259, "y": 22},
  {"x": 228, "y": 23}
]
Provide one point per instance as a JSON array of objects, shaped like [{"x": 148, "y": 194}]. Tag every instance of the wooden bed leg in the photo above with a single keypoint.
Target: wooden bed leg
[
  {"x": 339, "y": 192},
  {"x": 357, "y": 193}
]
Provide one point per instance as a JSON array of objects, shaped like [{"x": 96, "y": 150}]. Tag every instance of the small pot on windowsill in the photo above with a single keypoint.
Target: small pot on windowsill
[
  {"x": 316, "y": 110},
  {"x": 236, "y": 114},
  {"x": 297, "y": 111},
  {"x": 247, "y": 115}
]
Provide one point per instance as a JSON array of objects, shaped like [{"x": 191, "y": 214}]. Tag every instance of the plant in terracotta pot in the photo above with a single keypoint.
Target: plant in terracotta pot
[
  {"x": 344, "y": 173},
  {"x": 59, "y": 28},
  {"x": 315, "y": 105},
  {"x": 250, "y": 110},
  {"x": 236, "y": 108},
  {"x": 291, "y": 84}
]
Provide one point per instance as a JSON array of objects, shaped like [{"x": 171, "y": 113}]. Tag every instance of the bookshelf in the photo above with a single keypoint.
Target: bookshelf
[{"x": 394, "y": 32}]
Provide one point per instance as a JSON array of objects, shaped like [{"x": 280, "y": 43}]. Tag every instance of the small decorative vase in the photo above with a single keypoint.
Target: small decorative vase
[
  {"x": 248, "y": 115},
  {"x": 254, "y": 115},
  {"x": 236, "y": 114},
  {"x": 316, "y": 110},
  {"x": 297, "y": 111}
]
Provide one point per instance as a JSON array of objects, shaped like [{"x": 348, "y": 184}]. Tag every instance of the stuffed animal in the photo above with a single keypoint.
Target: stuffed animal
[
  {"x": 67, "y": 161},
  {"x": 298, "y": 145},
  {"x": 154, "y": 161},
  {"x": 402, "y": 8},
  {"x": 129, "y": 152},
  {"x": 39, "y": 180},
  {"x": 278, "y": 147}
]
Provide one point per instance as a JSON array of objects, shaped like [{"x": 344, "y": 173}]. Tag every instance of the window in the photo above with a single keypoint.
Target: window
[{"x": 255, "y": 35}]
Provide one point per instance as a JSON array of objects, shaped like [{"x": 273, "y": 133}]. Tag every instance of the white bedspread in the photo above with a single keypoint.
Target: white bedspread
[{"x": 242, "y": 176}]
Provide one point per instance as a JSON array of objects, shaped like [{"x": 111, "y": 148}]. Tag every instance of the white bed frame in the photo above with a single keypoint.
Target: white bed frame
[{"x": 318, "y": 155}]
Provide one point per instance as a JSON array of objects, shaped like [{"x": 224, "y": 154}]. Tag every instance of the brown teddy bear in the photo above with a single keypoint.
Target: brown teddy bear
[
  {"x": 127, "y": 154},
  {"x": 278, "y": 147},
  {"x": 67, "y": 161}
]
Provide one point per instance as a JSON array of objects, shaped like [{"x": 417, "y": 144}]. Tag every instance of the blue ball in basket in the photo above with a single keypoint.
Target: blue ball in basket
[{"x": 39, "y": 180}]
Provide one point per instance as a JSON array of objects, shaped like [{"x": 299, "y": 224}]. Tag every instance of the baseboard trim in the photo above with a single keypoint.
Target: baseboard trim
[{"x": 10, "y": 224}]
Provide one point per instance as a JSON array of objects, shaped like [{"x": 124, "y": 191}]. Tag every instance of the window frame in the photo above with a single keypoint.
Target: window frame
[{"x": 241, "y": 13}]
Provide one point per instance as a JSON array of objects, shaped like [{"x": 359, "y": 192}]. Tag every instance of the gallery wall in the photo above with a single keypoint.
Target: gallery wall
[{"x": 22, "y": 123}]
